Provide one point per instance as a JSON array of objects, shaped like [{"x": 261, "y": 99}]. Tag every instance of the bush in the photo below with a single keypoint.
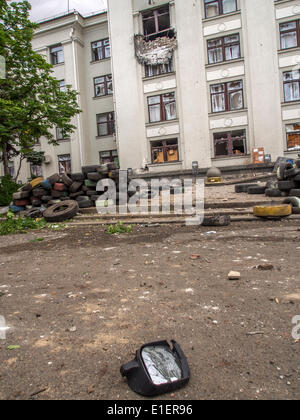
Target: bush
[
  {"x": 14, "y": 224},
  {"x": 7, "y": 188},
  {"x": 118, "y": 229}
]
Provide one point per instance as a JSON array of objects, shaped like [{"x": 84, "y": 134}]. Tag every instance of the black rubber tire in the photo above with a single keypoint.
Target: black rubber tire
[
  {"x": 75, "y": 187},
  {"x": 73, "y": 196},
  {"x": 94, "y": 198},
  {"x": 294, "y": 201},
  {"x": 39, "y": 192},
  {"x": 292, "y": 173},
  {"x": 243, "y": 188},
  {"x": 271, "y": 192},
  {"x": 88, "y": 169},
  {"x": 46, "y": 198},
  {"x": 78, "y": 177},
  {"x": 217, "y": 221},
  {"x": 53, "y": 179},
  {"x": 20, "y": 195},
  {"x": 103, "y": 169},
  {"x": 90, "y": 193},
  {"x": 27, "y": 187},
  {"x": 66, "y": 180},
  {"x": 57, "y": 194},
  {"x": 281, "y": 171},
  {"x": 295, "y": 193},
  {"x": 257, "y": 190},
  {"x": 272, "y": 185},
  {"x": 94, "y": 176},
  {"x": 297, "y": 163},
  {"x": 286, "y": 185},
  {"x": 61, "y": 211},
  {"x": 33, "y": 213},
  {"x": 36, "y": 202},
  {"x": 86, "y": 204},
  {"x": 296, "y": 210},
  {"x": 81, "y": 198}
]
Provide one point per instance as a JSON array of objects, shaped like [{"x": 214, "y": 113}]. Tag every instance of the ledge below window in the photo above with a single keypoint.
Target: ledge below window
[
  {"x": 167, "y": 164},
  {"x": 231, "y": 157}
]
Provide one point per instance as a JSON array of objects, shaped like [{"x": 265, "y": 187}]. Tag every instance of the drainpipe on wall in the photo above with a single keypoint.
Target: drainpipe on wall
[{"x": 76, "y": 88}]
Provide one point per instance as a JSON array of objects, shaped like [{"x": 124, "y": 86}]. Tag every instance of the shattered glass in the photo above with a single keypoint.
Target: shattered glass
[{"x": 161, "y": 364}]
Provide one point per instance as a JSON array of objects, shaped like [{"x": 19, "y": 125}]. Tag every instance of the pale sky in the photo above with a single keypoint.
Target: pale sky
[{"x": 42, "y": 9}]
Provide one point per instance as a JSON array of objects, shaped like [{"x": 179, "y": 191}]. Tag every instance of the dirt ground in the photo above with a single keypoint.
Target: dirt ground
[{"x": 80, "y": 302}]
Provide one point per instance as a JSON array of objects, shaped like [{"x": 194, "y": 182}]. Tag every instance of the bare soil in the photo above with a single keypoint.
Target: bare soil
[{"x": 81, "y": 302}]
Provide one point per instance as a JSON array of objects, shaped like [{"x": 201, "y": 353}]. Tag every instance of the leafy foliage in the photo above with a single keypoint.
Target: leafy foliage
[
  {"x": 118, "y": 229},
  {"x": 7, "y": 188},
  {"x": 14, "y": 224},
  {"x": 31, "y": 102}
]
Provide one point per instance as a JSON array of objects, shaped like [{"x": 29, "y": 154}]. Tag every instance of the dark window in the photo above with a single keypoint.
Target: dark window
[
  {"x": 100, "y": 50},
  {"x": 227, "y": 96},
  {"x": 60, "y": 134},
  {"x": 219, "y": 7},
  {"x": 293, "y": 136},
  {"x": 162, "y": 107},
  {"x": 110, "y": 156},
  {"x": 230, "y": 144},
  {"x": 103, "y": 85},
  {"x": 156, "y": 22},
  {"x": 290, "y": 35},
  {"x": 159, "y": 69},
  {"x": 165, "y": 151},
  {"x": 291, "y": 85},
  {"x": 224, "y": 49},
  {"x": 106, "y": 124},
  {"x": 64, "y": 164},
  {"x": 56, "y": 54},
  {"x": 36, "y": 170},
  {"x": 11, "y": 168}
]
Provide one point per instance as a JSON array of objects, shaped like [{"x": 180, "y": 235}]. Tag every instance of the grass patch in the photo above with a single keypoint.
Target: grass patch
[
  {"x": 14, "y": 224},
  {"x": 118, "y": 229}
]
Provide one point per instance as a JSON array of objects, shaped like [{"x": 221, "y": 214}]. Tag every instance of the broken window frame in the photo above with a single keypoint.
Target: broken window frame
[
  {"x": 109, "y": 124},
  {"x": 160, "y": 69},
  {"x": 56, "y": 54},
  {"x": 294, "y": 132},
  {"x": 146, "y": 16},
  {"x": 162, "y": 102},
  {"x": 107, "y": 81},
  {"x": 284, "y": 32},
  {"x": 220, "y": 4},
  {"x": 64, "y": 163},
  {"x": 102, "y": 51},
  {"x": 36, "y": 170},
  {"x": 293, "y": 81},
  {"x": 164, "y": 146},
  {"x": 229, "y": 138},
  {"x": 224, "y": 46},
  {"x": 226, "y": 92},
  {"x": 112, "y": 155},
  {"x": 60, "y": 134}
]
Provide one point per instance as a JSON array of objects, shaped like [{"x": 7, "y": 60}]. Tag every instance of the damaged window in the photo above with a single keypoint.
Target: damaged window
[
  {"x": 36, "y": 170},
  {"x": 156, "y": 22},
  {"x": 291, "y": 81},
  {"x": 162, "y": 107},
  {"x": 219, "y": 7},
  {"x": 110, "y": 156},
  {"x": 103, "y": 85},
  {"x": 227, "y": 96},
  {"x": 293, "y": 136},
  {"x": 106, "y": 124},
  {"x": 165, "y": 151},
  {"x": 232, "y": 143},
  {"x": 64, "y": 164},
  {"x": 159, "y": 69},
  {"x": 224, "y": 49},
  {"x": 289, "y": 35},
  {"x": 100, "y": 50}
]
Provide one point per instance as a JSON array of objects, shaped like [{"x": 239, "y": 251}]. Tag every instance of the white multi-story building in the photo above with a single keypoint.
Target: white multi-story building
[{"x": 165, "y": 83}]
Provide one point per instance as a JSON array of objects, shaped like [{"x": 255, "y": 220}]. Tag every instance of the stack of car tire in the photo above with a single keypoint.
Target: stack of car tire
[
  {"x": 287, "y": 185},
  {"x": 41, "y": 194}
]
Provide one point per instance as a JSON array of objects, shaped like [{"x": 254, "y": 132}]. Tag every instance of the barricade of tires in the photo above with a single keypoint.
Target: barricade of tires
[
  {"x": 62, "y": 194},
  {"x": 286, "y": 185}
]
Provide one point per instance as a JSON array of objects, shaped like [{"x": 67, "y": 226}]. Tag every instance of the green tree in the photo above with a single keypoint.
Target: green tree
[{"x": 31, "y": 103}]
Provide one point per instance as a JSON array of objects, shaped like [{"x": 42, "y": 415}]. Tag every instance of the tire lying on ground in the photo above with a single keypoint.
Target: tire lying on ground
[
  {"x": 295, "y": 193},
  {"x": 286, "y": 185},
  {"x": 66, "y": 180},
  {"x": 53, "y": 179},
  {"x": 291, "y": 173},
  {"x": 216, "y": 221},
  {"x": 257, "y": 190},
  {"x": 94, "y": 176},
  {"x": 61, "y": 211},
  {"x": 283, "y": 210},
  {"x": 78, "y": 177},
  {"x": 85, "y": 204},
  {"x": 243, "y": 188},
  {"x": 270, "y": 192},
  {"x": 293, "y": 201},
  {"x": 33, "y": 213}
]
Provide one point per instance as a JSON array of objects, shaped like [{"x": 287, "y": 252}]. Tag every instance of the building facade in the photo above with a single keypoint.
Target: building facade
[{"x": 166, "y": 83}]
